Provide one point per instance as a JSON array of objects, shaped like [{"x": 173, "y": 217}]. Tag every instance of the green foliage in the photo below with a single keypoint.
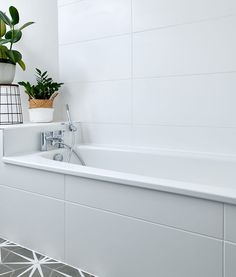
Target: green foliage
[
  {"x": 9, "y": 37},
  {"x": 44, "y": 87},
  {"x": 3, "y": 28}
]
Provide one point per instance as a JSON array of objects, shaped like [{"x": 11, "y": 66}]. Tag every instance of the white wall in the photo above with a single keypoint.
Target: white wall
[
  {"x": 39, "y": 44},
  {"x": 150, "y": 73}
]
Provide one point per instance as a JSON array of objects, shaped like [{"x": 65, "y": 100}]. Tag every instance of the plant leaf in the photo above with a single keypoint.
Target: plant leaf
[
  {"x": 13, "y": 35},
  {"x": 14, "y": 15},
  {"x": 3, "y": 50},
  {"x": 17, "y": 56},
  {"x": 3, "y": 28},
  {"x": 26, "y": 25},
  {"x": 4, "y": 41},
  {"x": 22, "y": 64},
  {"x": 5, "y": 18},
  {"x": 14, "y": 55},
  {"x": 10, "y": 55}
]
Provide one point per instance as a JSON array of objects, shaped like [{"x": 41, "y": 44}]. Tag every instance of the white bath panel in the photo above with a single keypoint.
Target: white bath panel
[
  {"x": 33, "y": 221},
  {"x": 115, "y": 246},
  {"x": 190, "y": 214}
]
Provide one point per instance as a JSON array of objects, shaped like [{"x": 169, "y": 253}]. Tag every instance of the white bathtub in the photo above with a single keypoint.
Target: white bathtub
[
  {"x": 129, "y": 212},
  {"x": 207, "y": 176}
]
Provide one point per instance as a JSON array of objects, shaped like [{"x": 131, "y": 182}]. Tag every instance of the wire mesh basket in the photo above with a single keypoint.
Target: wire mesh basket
[{"x": 10, "y": 105}]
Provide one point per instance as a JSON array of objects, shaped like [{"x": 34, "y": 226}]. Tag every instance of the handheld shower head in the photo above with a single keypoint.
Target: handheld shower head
[{"x": 72, "y": 127}]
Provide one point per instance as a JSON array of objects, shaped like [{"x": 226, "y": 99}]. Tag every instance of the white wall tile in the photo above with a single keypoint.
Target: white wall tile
[
  {"x": 188, "y": 49},
  {"x": 207, "y": 100},
  {"x": 205, "y": 139},
  {"x": 114, "y": 134},
  {"x": 150, "y": 14},
  {"x": 104, "y": 59},
  {"x": 103, "y": 102},
  {"x": 91, "y": 19},
  {"x": 66, "y": 2},
  {"x": 185, "y": 112}
]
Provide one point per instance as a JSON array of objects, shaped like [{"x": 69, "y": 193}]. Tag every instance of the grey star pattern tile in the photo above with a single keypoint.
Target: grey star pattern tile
[{"x": 16, "y": 261}]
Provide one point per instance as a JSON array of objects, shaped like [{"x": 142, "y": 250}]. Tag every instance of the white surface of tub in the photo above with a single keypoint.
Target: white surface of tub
[{"x": 199, "y": 175}]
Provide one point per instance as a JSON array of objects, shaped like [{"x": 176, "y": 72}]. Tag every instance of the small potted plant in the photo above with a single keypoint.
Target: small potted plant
[
  {"x": 9, "y": 35},
  {"x": 41, "y": 97}
]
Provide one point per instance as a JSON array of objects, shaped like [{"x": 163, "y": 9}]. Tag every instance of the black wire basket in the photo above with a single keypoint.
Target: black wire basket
[{"x": 10, "y": 105}]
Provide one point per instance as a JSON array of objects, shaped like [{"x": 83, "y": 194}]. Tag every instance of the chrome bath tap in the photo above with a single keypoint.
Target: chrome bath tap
[
  {"x": 72, "y": 127},
  {"x": 52, "y": 139}
]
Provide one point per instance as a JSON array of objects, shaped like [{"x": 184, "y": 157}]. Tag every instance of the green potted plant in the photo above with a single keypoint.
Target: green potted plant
[
  {"x": 41, "y": 96},
  {"x": 10, "y": 34}
]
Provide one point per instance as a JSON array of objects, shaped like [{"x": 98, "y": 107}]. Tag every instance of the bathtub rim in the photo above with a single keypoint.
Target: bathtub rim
[{"x": 37, "y": 161}]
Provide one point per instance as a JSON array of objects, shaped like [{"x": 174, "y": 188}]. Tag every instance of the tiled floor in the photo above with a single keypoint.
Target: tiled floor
[{"x": 16, "y": 261}]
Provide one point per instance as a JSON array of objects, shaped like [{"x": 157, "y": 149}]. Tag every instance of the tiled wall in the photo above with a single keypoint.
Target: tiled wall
[{"x": 150, "y": 73}]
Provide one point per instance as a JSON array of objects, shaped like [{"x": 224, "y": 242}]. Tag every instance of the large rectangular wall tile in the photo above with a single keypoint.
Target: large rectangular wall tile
[
  {"x": 150, "y": 14},
  {"x": 110, "y": 245},
  {"x": 66, "y": 2},
  {"x": 170, "y": 38},
  {"x": 188, "y": 49},
  {"x": 230, "y": 258},
  {"x": 201, "y": 216},
  {"x": 104, "y": 59},
  {"x": 203, "y": 139},
  {"x": 230, "y": 223},
  {"x": 113, "y": 134},
  {"x": 101, "y": 102},
  {"x": 206, "y": 100},
  {"x": 90, "y": 19},
  {"x": 33, "y": 221}
]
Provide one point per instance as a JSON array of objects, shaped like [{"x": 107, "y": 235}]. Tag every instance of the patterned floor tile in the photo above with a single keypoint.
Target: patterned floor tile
[
  {"x": 17, "y": 261},
  {"x": 4, "y": 269}
]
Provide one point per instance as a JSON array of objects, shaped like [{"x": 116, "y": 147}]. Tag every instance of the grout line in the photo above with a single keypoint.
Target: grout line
[
  {"x": 97, "y": 81},
  {"x": 70, "y": 3},
  {"x": 149, "y": 30},
  {"x": 223, "y": 242},
  {"x": 152, "y": 77},
  {"x": 223, "y": 221},
  {"x": 145, "y": 221},
  {"x": 210, "y": 19},
  {"x": 64, "y": 198},
  {"x": 230, "y": 241},
  {"x": 185, "y": 75},
  {"x": 95, "y": 39},
  {"x": 132, "y": 76},
  {"x": 31, "y": 192},
  {"x": 157, "y": 125}
]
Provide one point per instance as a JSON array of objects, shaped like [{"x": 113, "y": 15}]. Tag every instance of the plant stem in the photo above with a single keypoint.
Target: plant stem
[{"x": 12, "y": 29}]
